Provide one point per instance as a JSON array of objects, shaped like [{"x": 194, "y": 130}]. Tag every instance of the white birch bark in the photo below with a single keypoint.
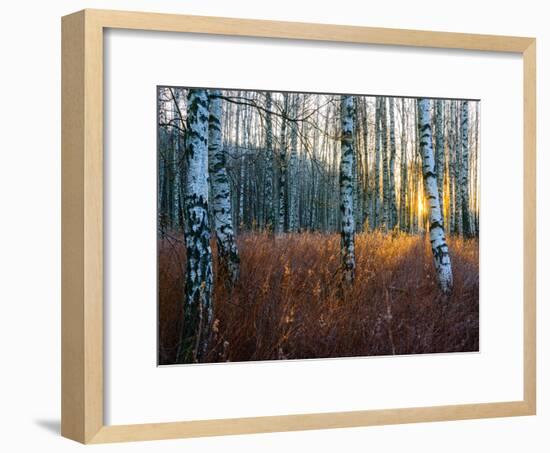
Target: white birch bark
[
  {"x": 242, "y": 177},
  {"x": 440, "y": 250},
  {"x": 293, "y": 164},
  {"x": 269, "y": 204},
  {"x": 282, "y": 169},
  {"x": 385, "y": 167},
  {"x": 198, "y": 285},
  {"x": 347, "y": 223},
  {"x": 404, "y": 224},
  {"x": 465, "y": 172},
  {"x": 176, "y": 181},
  {"x": 393, "y": 152},
  {"x": 440, "y": 150},
  {"x": 228, "y": 256},
  {"x": 458, "y": 171},
  {"x": 377, "y": 139},
  {"x": 367, "y": 216}
]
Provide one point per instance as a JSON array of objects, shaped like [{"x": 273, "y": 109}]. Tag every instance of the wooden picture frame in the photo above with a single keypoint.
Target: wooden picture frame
[{"x": 82, "y": 224}]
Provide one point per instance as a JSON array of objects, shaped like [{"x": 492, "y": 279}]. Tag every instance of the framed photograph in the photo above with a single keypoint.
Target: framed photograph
[{"x": 274, "y": 226}]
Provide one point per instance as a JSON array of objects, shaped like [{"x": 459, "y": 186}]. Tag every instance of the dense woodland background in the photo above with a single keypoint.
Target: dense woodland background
[
  {"x": 299, "y": 160},
  {"x": 319, "y": 226}
]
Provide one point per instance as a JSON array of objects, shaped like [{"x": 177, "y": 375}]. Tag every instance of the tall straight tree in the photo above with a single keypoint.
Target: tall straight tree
[
  {"x": 294, "y": 182},
  {"x": 403, "y": 222},
  {"x": 458, "y": 170},
  {"x": 269, "y": 192},
  {"x": 347, "y": 223},
  {"x": 385, "y": 166},
  {"x": 377, "y": 139},
  {"x": 197, "y": 319},
  {"x": 242, "y": 151},
  {"x": 465, "y": 172},
  {"x": 439, "y": 149},
  {"x": 450, "y": 225},
  {"x": 391, "y": 171},
  {"x": 367, "y": 193},
  {"x": 282, "y": 167},
  {"x": 440, "y": 250},
  {"x": 228, "y": 255}
]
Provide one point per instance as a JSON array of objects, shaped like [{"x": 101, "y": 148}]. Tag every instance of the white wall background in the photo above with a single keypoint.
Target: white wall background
[{"x": 30, "y": 225}]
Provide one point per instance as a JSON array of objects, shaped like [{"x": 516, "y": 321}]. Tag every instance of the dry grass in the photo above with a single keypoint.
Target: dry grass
[{"x": 289, "y": 303}]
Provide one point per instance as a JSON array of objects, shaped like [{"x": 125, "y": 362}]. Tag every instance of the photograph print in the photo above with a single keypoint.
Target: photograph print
[{"x": 295, "y": 225}]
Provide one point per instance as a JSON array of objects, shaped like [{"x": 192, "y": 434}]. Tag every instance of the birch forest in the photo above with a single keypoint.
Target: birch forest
[{"x": 305, "y": 225}]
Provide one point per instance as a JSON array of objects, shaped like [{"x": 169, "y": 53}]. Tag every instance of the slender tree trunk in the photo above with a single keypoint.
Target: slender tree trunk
[
  {"x": 228, "y": 256},
  {"x": 347, "y": 223},
  {"x": 367, "y": 193},
  {"x": 404, "y": 174},
  {"x": 198, "y": 285},
  {"x": 458, "y": 172},
  {"x": 385, "y": 167},
  {"x": 378, "y": 139},
  {"x": 440, "y": 152},
  {"x": 294, "y": 182},
  {"x": 269, "y": 171},
  {"x": 242, "y": 177},
  {"x": 356, "y": 171},
  {"x": 440, "y": 250},
  {"x": 465, "y": 172},
  {"x": 282, "y": 169},
  {"x": 450, "y": 225},
  {"x": 393, "y": 152},
  {"x": 475, "y": 172}
]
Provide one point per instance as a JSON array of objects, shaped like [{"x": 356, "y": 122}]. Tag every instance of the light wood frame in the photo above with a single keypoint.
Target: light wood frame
[{"x": 82, "y": 224}]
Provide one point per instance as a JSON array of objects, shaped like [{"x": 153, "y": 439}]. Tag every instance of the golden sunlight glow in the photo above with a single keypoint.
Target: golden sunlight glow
[{"x": 420, "y": 202}]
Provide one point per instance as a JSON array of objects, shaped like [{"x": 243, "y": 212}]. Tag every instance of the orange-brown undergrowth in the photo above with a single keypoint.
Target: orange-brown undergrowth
[{"x": 289, "y": 302}]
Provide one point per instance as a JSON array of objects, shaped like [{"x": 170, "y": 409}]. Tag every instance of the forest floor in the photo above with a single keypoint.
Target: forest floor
[{"x": 289, "y": 304}]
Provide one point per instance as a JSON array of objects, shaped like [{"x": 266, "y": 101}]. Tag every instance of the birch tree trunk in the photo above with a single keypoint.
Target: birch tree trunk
[
  {"x": 269, "y": 192},
  {"x": 228, "y": 256},
  {"x": 393, "y": 151},
  {"x": 403, "y": 222},
  {"x": 440, "y": 151},
  {"x": 475, "y": 173},
  {"x": 242, "y": 178},
  {"x": 450, "y": 225},
  {"x": 198, "y": 285},
  {"x": 465, "y": 172},
  {"x": 440, "y": 250},
  {"x": 176, "y": 182},
  {"x": 366, "y": 218},
  {"x": 377, "y": 139},
  {"x": 385, "y": 167},
  {"x": 282, "y": 168},
  {"x": 458, "y": 172},
  {"x": 347, "y": 223},
  {"x": 294, "y": 181}
]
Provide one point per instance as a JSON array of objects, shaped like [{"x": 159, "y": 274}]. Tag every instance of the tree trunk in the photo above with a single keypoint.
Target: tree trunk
[
  {"x": 228, "y": 256},
  {"x": 440, "y": 250},
  {"x": 377, "y": 138},
  {"x": 282, "y": 169},
  {"x": 440, "y": 152},
  {"x": 385, "y": 167},
  {"x": 347, "y": 223},
  {"x": 393, "y": 152},
  {"x": 366, "y": 217},
  {"x": 458, "y": 172},
  {"x": 404, "y": 224},
  {"x": 269, "y": 204},
  {"x": 465, "y": 173},
  {"x": 294, "y": 181},
  {"x": 198, "y": 285}
]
